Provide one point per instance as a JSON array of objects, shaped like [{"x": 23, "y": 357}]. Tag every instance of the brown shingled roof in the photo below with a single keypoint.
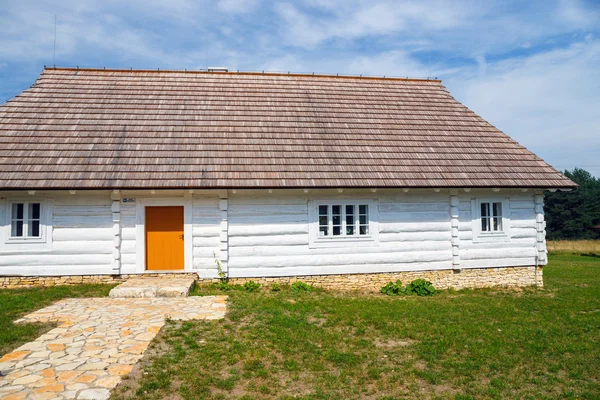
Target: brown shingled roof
[{"x": 84, "y": 128}]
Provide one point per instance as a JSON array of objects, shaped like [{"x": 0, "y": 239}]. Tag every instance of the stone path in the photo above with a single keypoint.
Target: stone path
[{"x": 99, "y": 341}]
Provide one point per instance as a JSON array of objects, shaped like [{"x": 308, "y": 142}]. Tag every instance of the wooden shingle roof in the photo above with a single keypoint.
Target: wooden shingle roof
[{"x": 84, "y": 128}]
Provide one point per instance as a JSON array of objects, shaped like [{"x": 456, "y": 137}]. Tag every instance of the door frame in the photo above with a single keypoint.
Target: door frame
[{"x": 140, "y": 228}]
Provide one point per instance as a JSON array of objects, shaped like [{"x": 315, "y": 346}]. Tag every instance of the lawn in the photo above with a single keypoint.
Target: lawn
[
  {"x": 15, "y": 303},
  {"x": 532, "y": 343}
]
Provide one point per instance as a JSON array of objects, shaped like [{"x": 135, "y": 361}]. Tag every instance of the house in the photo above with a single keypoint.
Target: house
[{"x": 339, "y": 181}]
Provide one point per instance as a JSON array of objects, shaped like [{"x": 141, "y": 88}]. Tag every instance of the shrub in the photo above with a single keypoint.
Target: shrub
[
  {"x": 275, "y": 287},
  {"x": 298, "y": 287},
  {"x": 393, "y": 289},
  {"x": 251, "y": 286},
  {"x": 223, "y": 286},
  {"x": 421, "y": 287}
]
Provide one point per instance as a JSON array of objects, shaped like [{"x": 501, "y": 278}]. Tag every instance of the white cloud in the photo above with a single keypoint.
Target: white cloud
[{"x": 548, "y": 102}]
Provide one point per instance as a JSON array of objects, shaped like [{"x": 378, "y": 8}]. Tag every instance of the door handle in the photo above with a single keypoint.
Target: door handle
[{"x": 181, "y": 236}]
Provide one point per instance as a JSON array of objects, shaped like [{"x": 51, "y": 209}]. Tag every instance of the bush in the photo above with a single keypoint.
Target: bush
[
  {"x": 223, "y": 286},
  {"x": 420, "y": 287},
  {"x": 393, "y": 289},
  {"x": 275, "y": 287},
  {"x": 298, "y": 287},
  {"x": 251, "y": 286}
]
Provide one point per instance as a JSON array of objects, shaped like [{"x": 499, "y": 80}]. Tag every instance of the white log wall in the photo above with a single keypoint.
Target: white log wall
[
  {"x": 269, "y": 234},
  {"x": 82, "y": 237},
  {"x": 257, "y": 233},
  {"x": 520, "y": 248}
]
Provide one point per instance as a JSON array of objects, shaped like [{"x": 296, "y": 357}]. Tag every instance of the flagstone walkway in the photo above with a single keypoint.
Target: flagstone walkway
[{"x": 99, "y": 341}]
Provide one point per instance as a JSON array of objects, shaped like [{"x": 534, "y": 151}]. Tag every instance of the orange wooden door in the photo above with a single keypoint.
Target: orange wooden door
[{"x": 164, "y": 238}]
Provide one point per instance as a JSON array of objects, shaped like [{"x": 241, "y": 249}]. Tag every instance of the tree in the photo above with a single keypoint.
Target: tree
[{"x": 574, "y": 215}]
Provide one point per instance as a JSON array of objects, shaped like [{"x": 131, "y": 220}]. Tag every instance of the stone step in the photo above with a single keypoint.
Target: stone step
[{"x": 140, "y": 287}]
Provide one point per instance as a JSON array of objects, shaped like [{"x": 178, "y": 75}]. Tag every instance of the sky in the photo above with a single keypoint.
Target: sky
[{"x": 531, "y": 68}]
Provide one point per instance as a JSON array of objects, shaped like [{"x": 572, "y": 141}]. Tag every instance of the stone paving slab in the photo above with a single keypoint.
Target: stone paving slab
[
  {"x": 141, "y": 287},
  {"x": 99, "y": 340}
]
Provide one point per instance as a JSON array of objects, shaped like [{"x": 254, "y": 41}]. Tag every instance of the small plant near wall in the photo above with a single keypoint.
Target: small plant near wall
[
  {"x": 393, "y": 289},
  {"x": 251, "y": 286},
  {"x": 275, "y": 287},
  {"x": 420, "y": 287},
  {"x": 299, "y": 287},
  {"x": 223, "y": 279}
]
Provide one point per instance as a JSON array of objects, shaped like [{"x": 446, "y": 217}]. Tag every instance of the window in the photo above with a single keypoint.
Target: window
[
  {"x": 342, "y": 221},
  {"x": 25, "y": 221},
  {"x": 25, "y": 224},
  {"x": 490, "y": 219}
]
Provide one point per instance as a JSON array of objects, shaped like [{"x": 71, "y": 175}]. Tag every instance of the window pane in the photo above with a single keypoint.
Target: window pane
[
  {"x": 336, "y": 210},
  {"x": 350, "y": 210},
  {"x": 363, "y": 209},
  {"x": 322, "y": 210},
  {"x": 337, "y": 220},
  {"x": 364, "y": 229},
  {"x": 485, "y": 209},
  {"x": 497, "y": 209},
  {"x": 34, "y": 210},
  {"x": 485, "y": 224},
  {"x": 323, "y": 220},
  {"x": 17, "y": 211},
  {"x": 362, "y": 219},
  {"x": 16, "y": 229},
  {"x": 323, "y": 230},
  {"x": 34, "y": 228},
  {"x": 497, "y": 224},
  {"x": 337, "y": 230},
  {"x": 349, "y": 230}
]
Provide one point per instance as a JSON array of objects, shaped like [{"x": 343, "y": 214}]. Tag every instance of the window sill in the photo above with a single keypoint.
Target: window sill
[
  {"x": 491, "y": 237},
  {"x": 343, "y": 242}
]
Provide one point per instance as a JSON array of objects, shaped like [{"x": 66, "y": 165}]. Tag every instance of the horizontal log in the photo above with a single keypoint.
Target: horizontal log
[
  {"x": 58, "y": 260},
  {"x": 269, "y": 240},
  {"x": 389, "y": 227},
  {"x": 489, "y": 253},
  {"x": 383, "y": 250},
  {"x": 339, "y": 259},
  {"x": 79, "y": 234},
  {"x": 335, "y": 269},
  {"x": 275, "y": 229}
]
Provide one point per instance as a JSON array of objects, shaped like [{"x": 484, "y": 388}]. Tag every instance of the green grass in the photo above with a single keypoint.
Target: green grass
[
  {"x": 531, "y": 344},
  {"x": 14, "y": 303}
]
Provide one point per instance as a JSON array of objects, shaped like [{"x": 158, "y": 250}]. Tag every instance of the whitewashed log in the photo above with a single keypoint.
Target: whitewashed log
[
  {"x": 390, "y": 227},
  {"x": 339, "y": 259},
  {"x": 498, "y": 262},
  {"x": 58, "y": 269},
  {"x": 302, "y": 250},
  {"x": 412, "y": 207},
  {"x": 276, "y": 229},
  {"x": 415, "y": 236},
  {"x": 266, "y": 240},
  {"x": 50, "y": 259},
  {"x": 337, "y": 269},
  {"x": 489, "y": 253},
  {"x": 78, "y": 234}
]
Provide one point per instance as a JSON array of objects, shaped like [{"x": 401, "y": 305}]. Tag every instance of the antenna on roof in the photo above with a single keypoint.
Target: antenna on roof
[
  {"x": 428, "y": 76},
  {"x": 54, "y": 50}
]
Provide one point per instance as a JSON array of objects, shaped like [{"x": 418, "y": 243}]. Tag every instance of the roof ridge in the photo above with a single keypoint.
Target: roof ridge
[{"x": 249, "y": 73}]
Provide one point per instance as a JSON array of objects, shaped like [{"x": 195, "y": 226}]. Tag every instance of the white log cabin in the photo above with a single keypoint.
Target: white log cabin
[{"x": 343, "y": 182}]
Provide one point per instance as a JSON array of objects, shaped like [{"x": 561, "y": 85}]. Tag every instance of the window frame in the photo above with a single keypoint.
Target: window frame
[
  {"x": 370, "y": 239},
  {"x": 490, "y": 236},
  {"x": 44, "y": 241}
]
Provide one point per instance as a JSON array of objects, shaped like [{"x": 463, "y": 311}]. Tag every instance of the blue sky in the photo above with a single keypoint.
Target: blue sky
[{"x": 532, "y": 68}]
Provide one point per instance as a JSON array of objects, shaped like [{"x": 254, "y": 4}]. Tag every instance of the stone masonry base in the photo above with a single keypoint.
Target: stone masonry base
[{"x": 441, "y": 279}]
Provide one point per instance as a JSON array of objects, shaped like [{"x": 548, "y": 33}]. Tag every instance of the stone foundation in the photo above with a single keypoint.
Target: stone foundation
[
  {"x": 12, "y": 282},
  {"x": 441, "y": 279}
]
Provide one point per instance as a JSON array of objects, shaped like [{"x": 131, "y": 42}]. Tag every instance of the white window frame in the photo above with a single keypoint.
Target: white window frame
[
  {"x": 42, "y": 242},
  {"x": 371, "y": 239},
  {"x": 490, "y": 236}
]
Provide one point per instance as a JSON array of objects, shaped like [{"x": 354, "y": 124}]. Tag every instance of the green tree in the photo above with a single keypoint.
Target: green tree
[{"x": 576, "y": 214}]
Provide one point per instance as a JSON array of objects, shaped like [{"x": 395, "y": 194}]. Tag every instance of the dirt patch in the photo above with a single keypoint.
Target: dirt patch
[{"x": 392, "y": 343}]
